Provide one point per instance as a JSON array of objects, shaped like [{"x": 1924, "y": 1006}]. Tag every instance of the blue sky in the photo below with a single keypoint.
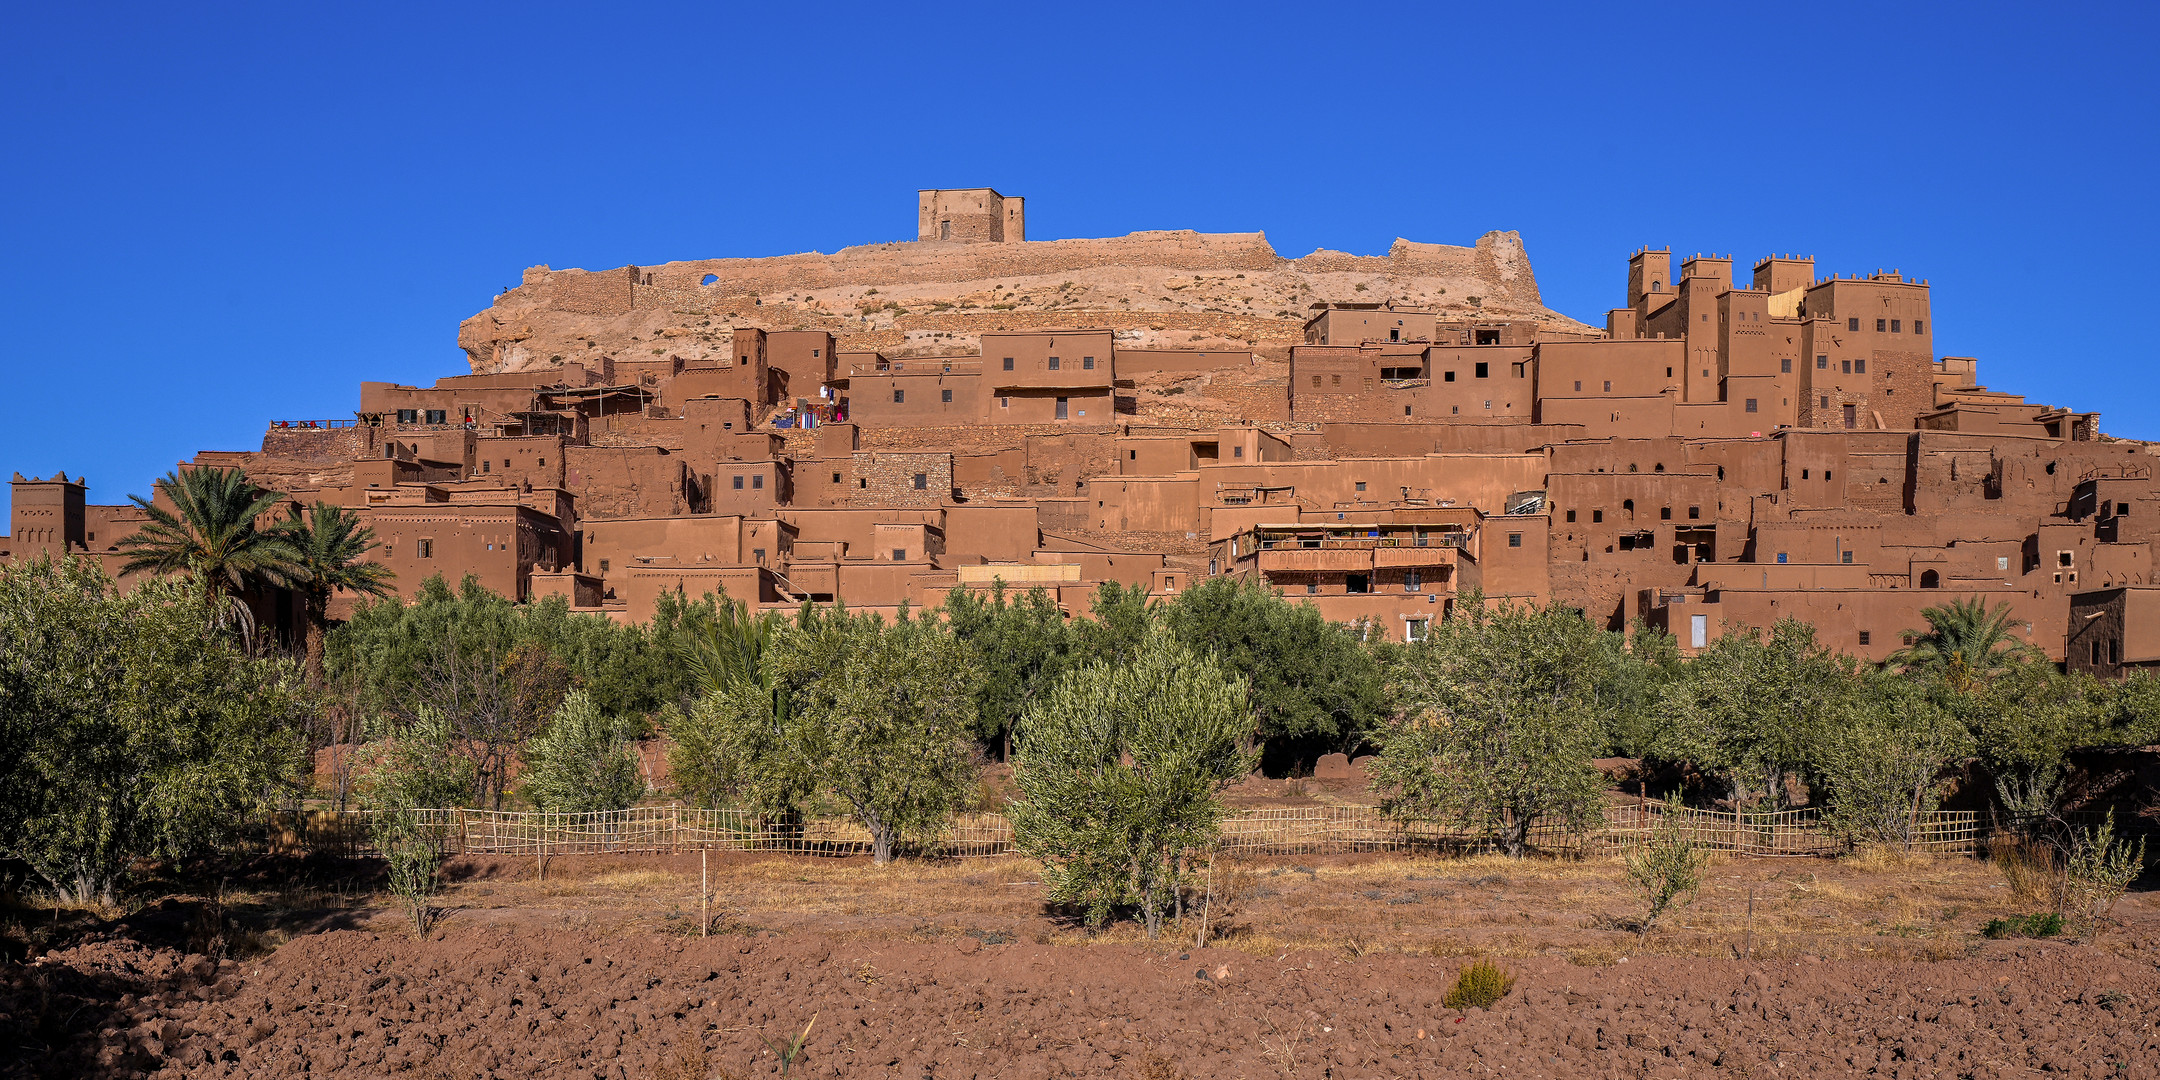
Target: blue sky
[{"x": 215, "y": 215}]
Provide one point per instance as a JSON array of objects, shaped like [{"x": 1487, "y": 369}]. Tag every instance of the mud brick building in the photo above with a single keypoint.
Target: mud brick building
[{"x": 1371, "y": 434}]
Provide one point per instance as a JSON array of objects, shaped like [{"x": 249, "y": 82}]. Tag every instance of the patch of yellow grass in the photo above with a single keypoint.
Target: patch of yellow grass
[{"x": 635, "y": 879}]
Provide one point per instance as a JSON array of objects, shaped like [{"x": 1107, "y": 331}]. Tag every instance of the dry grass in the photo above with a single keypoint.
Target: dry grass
[{"x": 1873, "y": 904}]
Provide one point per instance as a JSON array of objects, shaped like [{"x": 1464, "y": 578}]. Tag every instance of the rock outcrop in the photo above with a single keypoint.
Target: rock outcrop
[{"x": 1199, "y": 290}]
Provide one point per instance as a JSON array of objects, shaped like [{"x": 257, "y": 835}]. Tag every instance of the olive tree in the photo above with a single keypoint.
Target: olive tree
[
  {"x": 1119, "y": 768},
  {"x": 875, "y": 715},
  {"x": 1503, "y": 714},
  {"x": 1882, "y": 760},
  {"x": 1752, "y": 710},
  {"x": 582, "y": 761},
  {"x": 128, "y": 730}
]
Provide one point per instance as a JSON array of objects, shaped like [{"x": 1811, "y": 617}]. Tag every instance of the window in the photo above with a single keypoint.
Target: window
[
  {"x": 738, "y": 483},
  {"x": 408, "y": 416},
  {"x": 1053, "y": 363},
  {"x": 814, "y": 353},
  {"x": 1237, "y": 451},
  {"x": 1919, "y": 326},
  {"x": 1896, "y": 326},
  {"x": 1826, "y": 402},
  {"x": 426, "y": 549},
  {"x": 1608, "y": 386},
  {"x": 1449, "y": 376},
  {"x": 759, "y": 555},
  {"x": 1694, "y": 513},
  {"x": 1803, "y": 474},
  {"x": 1864, "y": 637},
  {"x": 1361, "y": 485},
  {"x": 1571, "y": 517},
  {"x": 1847, "y": 365},
  {"x": 1668, "y": 374},
  {"x": 438, "y": 416},
  {"x": 1845, "y": 557},
  {"x": 2002, "y": 562},
  {"x": 836, "y": 478},
  {"x": 1312, "y": 588},
  {"x": 1781, "y": 557},
  {"x": 1414, "y": 629},
  {"x": 1578, "y": 385},
  {"x": 1859, "y": 366},
  {"x": 1357, "y": 583},
  {"x": 922, "y": 481},
  {"x": 1852, "y": 325},
  {"x": 1335, "y": 380},
  {"x": 603, "y": 566},
  {"x": 1008, "y": 363},
  {"x": 1597, "y": 515},
  {"x": 1514, "y": 540},
  {"x": 948, "y": 397},
  {"x": 1822, "y": 363},
  {"x": 899, "y": 554},
  {"x": 1751, "y": 404},
  {"x": 487, "y": 466},
  {"x": 1785, "y": 365},
  {"x": 1880, "y": 324},
  {"x": 1852, "y": 416},
  {"x": 1664, "y": 513},
  {"x": 1087, "y": 363},
  {"x": 1061, "y": 408},
  {"x": 1004, "y": 403},
  {"x": 1316, "y": 382},
  {"x": 2063, "y": 558},
  {"x": 1482, "y": 368},
  {"x": 899, "y": 396},
  {"x": 1411, "y": 581},
  {"x": 757, "y": 483}
]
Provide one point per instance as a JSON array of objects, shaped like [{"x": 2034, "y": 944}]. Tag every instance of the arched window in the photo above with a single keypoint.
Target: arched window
[{"x": 1929, "y": 579}]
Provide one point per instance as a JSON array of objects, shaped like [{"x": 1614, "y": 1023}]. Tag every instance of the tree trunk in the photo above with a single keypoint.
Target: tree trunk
[{"x": 314, "y": 617}]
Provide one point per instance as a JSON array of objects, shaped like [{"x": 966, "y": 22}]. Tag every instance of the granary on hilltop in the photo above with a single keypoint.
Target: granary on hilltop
[{"x": 1720, "y": 455}]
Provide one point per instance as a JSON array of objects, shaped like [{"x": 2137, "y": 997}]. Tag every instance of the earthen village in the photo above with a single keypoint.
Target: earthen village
[{"x": 1376, "y": 435}]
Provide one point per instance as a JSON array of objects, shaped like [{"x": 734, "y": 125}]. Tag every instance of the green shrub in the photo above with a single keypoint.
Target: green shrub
[
  {"x": 1479, "y": 986},
  {"x": 2039, "y": 925},
  {"x": 1668, "y": 864}
]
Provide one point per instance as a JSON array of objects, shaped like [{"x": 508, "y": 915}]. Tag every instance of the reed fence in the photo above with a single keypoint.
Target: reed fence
[{"x": 1316, "y": 830}]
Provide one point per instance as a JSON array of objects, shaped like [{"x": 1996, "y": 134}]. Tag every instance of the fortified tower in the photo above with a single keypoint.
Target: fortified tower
[
  {"x": 970, "y": 215},
  {"x": 48, "y": 515}
]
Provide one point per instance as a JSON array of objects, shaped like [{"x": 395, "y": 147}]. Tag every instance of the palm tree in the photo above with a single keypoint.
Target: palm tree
[
  {"x": 328, "y": 546},
  {"x": 210, "y": 536},
  {"x": 1964, "y": 641}
]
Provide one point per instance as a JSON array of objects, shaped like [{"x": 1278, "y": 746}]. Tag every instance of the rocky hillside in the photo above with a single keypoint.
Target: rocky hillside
[{"x": 1174, "y": 289}]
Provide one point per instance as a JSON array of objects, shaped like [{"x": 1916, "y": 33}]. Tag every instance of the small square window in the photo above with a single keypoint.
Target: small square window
[
  {"x": 899, "y": 554},
  {"x": 1335, "y": 380},
  {"x": 1597, "y": 516},
  {"x": 1664, "y": 513},
  {"x": 426, "y": 549},
  {"x": 1781, "y": 557},
  {"x": 1053, "y": 363},
  {"x": 836, "y": 478},
  {"x": 948, "y": 397},
  {"x": 1482, "y": 368},
  {"x": 1578, "y": 386},
  {"x": 1571, "y": 517},
  {"x": 1087, "y": 363},
  {"x": 899, "y": 396},
  {"x": 1864, "y": 637},
  {"x": 738, "y": 483},
  {"x": 1004, "y": 403},
  {"x": 1881, "y": 325},
  {"x": 757, "y": 483},
  {"x": 1449, "y": 376},
  {"x": 1694, "y": 513},
  {"x": 1897, "y": 326},
  {"x": 1847, "y": 559},
  {"x": 408, "y": 416},
  {"x": 1919, "y": 326},
  {"x": 1608, "y": 386},
  {"x": 922, "y": 481},
  {"x": 1859, "y": 366},
  {"x": 1361, "y": 485},
  {"x": 1312, "y": 588},
  {"x": 1785, "y": 365},
  {"x": 1008, "y": 363},
  {"x": 1822, "y": 363},
  {"x": 1852, "y": 325},
  {"x": 1751, "y": 404},
  {"x": 1514, "y": 540},
  {"x": 1846, "y": 365}
]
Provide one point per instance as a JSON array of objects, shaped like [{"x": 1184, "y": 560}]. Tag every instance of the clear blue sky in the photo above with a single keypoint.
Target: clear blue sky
[{"x": 215, "y": 215}]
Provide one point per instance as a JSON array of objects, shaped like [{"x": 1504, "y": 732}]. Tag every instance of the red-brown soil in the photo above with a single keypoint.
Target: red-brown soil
[{"x": 952, "y": 970}]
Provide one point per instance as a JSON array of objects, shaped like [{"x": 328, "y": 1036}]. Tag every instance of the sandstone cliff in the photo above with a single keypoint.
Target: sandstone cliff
[{"x": 1198, "y": 290}]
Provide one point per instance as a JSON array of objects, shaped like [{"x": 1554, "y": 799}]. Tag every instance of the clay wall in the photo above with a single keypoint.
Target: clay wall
[
  {"x": 914, "y": 399},
  {"x": 626, "y": 481},
  {"x": 1072, "y": 359}
]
